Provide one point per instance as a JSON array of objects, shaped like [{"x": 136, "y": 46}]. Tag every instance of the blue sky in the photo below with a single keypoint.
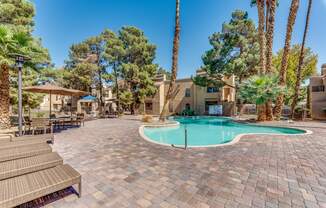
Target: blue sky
[{"x": 61, "y": 23}]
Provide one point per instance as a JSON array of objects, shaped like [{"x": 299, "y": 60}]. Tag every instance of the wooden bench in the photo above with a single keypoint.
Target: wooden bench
[{"x": 22, "y": 189}]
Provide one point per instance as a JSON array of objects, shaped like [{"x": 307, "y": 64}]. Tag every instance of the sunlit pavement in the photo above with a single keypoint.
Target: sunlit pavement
[{"x": 120, "y": 169}]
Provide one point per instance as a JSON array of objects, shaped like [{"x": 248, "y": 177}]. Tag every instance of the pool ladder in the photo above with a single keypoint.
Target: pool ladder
[{"x": 186, "y": 140}]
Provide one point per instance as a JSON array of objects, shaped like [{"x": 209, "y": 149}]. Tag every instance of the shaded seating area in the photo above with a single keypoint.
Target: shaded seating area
[
  {"x": 54, "y": 120},
  {"x": 29, "y": 169}
]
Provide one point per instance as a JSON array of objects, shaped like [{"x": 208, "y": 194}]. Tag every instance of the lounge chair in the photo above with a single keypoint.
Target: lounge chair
[
  {"x": 22, "y": 189},
  {"x": 44, "y": 137},
  {"x": 24, "y": 151},
  {"x": 23, "y": 166},
  {"x": 80, "y": 119},
  {"x": 5, "y": 137},
  {"x": 22, "y": 143}
]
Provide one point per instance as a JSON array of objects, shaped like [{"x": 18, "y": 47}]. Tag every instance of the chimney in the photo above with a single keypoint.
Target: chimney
[{"x": 323, "y": 69}]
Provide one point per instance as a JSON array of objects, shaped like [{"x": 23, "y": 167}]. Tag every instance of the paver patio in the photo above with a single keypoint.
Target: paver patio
[{"x": 120, "y": 169}]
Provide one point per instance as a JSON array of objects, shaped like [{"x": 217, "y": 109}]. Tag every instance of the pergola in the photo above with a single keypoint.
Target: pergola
[{"x": 54, "y": 89}]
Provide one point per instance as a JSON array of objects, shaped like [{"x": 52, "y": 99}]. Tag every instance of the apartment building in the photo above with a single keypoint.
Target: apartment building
[
  {"x": 187, "y": 95},
  {"x": 318, "y": 95}
]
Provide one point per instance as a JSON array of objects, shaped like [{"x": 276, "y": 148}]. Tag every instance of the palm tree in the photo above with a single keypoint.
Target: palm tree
[
  {"x": 175, "y": 55},
  {"x": 301, "y": 58},
  {"x": 266, "y": 34},
  {"x": 270, "y": 23},
  {"x": 262, "y": 51},
  {"x": 8, "y": 46},
  {"x": 13, "y": 41},
  {"x": 282, "y": 76}
]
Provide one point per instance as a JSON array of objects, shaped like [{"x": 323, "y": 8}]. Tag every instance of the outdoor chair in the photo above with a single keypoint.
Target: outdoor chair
[
  {"x": 41, "y": 138},
  {"x": 45, "y": 138},
  {"x": 41, "y": 125},
  {"x": 22, "y": 143},
  {"x": 21, "y": 189},
  {"x": 80, "y": 119},
  {"x": 23, "y": 166},
  {"x": 5, "y": 138},
  {"x": 23, "y": 152}
]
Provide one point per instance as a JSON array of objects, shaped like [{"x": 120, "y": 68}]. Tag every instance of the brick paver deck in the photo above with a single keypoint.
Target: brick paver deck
[{"x": 120, "y": 169}]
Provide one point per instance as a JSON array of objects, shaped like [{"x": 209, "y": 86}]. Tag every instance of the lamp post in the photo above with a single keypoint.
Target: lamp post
[{"x": 19, "y": 63}]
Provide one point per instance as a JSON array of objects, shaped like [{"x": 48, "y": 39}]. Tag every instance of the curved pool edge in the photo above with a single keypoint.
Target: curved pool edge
[
  {"x": 142, "y": 134},
  {"x": 232, "y": 142}
]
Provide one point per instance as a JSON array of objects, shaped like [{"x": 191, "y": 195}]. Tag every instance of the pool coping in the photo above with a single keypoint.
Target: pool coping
[{"x": 232, "y": 142}]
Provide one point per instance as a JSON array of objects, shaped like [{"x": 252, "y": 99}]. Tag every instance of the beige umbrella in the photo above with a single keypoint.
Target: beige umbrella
[{"x": 53, "y": 89}]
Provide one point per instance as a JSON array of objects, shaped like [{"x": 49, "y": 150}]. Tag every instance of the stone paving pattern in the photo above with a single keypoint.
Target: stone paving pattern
[{"x": 120, "y": 169}]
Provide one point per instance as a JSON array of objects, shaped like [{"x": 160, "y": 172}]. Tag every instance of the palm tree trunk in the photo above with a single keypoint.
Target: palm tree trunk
[
  {"x": 261, "y": 109},
  {"x": 261, "y": 35},
  {"x": 175, "y": 56},
  {"x": 270, "y": 35},
  {"x": 268, "y": 6},
  {"x": 4, "y": 97},
  {"x": 270, "y": 23},
  {"x": 301, "y": 58},
  {"x": 262, "y": 52},
  {"x": 282, "y": 77}
]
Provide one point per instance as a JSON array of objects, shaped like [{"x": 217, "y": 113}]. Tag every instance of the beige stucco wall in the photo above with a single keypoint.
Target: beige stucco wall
[
  {"x": 197, "y": 99},
  {"x": 318, "y": 99}
]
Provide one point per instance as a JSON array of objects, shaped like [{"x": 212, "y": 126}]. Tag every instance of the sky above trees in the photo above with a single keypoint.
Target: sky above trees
[{"x": 60, "y": 23}]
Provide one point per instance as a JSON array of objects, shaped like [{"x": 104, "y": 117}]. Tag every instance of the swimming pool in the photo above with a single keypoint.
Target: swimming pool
[{"x": 208, "y": 131}]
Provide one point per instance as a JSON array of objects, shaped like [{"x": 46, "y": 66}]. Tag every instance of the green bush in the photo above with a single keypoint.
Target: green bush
[{"x": 188, "y": 112}]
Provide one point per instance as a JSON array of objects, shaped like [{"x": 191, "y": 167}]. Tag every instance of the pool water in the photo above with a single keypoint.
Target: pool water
[{"x": 205, "y": 131}]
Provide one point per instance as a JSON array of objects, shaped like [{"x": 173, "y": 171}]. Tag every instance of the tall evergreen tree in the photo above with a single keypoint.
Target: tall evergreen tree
[
  {"x": 235, "y": 51},
  {"x": 114, "y": 53},
  {"x": 137, "y": 67}
]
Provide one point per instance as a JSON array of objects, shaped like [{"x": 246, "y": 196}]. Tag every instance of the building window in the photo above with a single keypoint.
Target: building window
[
  {"x": 187, "y": 94},
  {"x": 320, "y": 88},
  {"x": 212, "y": 90},
  {"x": 149, "y": 106}
]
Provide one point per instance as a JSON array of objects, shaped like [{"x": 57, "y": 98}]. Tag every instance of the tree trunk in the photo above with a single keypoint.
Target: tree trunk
[
  {"x": 116, "y": 87},
  {"x": 268, "y": 6},
  {"x": 301, "y": 58},
  {"x": 261, "y": 109},
  {"x": 262, "y": 52},
  {"x": 282, "y": 77},
  {"x": 270, "y": 23},
  {"x": 4, "y": 97},
  {"x": 261, "y": 35},
  {"x": 144, "y": 107},
  {"x": 270, "y": 35},
  {"x": 175, "y": 56}
]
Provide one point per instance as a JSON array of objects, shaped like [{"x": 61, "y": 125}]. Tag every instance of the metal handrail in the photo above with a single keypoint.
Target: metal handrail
[{"x": 186, "y": 139}]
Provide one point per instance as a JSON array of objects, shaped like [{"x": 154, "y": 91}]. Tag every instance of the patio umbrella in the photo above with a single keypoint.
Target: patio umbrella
[{"x": 56, "y": 90}]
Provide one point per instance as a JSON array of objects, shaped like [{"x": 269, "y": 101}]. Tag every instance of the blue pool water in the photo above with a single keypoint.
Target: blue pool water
[{"x": 203, "y": 131}]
